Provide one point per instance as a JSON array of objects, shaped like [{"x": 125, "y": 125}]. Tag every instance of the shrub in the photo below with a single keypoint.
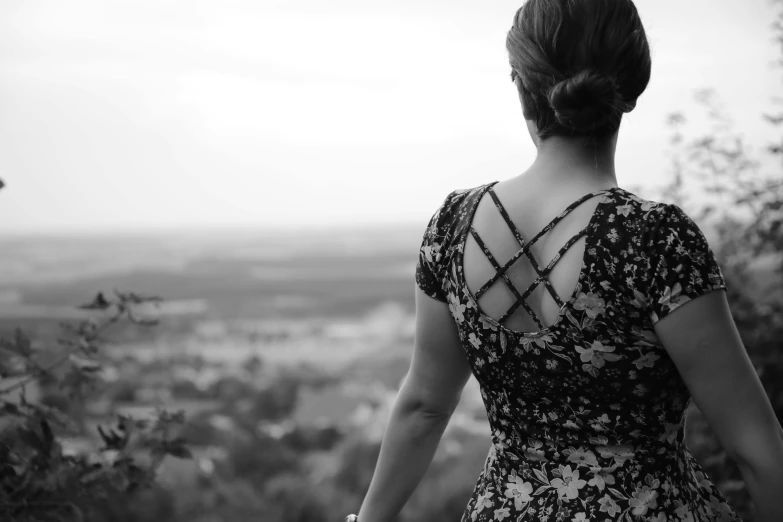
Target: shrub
[{"x": 40, "y": 479}]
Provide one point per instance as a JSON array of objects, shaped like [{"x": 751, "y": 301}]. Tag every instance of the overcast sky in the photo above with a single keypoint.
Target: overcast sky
[{"x": 153, "y": 114}]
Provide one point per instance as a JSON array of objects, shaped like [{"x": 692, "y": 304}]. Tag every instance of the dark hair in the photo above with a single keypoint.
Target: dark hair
[{"x": 582, "y": 64}]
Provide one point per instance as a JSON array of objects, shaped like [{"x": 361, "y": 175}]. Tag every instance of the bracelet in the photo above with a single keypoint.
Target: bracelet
[{"x": 352, "y": 518}]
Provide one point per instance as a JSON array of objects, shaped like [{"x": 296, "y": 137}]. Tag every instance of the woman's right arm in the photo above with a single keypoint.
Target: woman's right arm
[{"x": 702, "y": 340}]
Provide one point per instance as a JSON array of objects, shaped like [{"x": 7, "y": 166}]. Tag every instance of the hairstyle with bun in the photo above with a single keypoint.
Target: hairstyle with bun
[{"x": 582, "y": 64}]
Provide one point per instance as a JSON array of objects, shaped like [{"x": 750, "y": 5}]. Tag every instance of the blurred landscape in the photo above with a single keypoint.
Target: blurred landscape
[
  {"x": 285, "y": 352},
  {"x": 242, "y": 274}
]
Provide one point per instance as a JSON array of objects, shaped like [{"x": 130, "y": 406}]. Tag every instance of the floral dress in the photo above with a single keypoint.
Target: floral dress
[{"x": 587, "y": 414}]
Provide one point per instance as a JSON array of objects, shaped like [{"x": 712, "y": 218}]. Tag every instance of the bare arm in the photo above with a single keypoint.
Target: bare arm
[
  {"x": 428, "y": 396},
  {"x": 704, "y": 344}
]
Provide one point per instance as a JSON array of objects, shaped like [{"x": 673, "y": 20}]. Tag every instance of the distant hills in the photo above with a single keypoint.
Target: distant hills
[
  {"x": 233, "y": 275},
  {"x": 339, "y": 272}
]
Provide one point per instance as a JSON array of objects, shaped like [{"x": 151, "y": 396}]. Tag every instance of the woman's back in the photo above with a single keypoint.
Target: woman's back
[
  {"x": 588, "y": 406},
  {"x": 515, "y": 214}
]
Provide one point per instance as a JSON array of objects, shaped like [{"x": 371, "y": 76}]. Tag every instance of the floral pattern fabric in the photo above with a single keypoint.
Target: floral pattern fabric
[{"x": 587, "y": 415}]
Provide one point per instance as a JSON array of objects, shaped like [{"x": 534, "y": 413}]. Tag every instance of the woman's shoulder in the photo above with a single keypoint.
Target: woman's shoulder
[
  {"x": 641, "y": 207},
  {"x": 450, "y": 221},
  {"x": 460, "y": 199},
  {"x": 652, "y": 223},
  {"x": 642, "y": 215},
  {"x": 441, "y": 238},
  {"x": 455, "y": 211}
]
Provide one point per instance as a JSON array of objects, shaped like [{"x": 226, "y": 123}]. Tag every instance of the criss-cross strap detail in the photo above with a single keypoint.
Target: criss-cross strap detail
[
  {"x": 521, "y": 298},
  {"x": 525, "y": 250}
]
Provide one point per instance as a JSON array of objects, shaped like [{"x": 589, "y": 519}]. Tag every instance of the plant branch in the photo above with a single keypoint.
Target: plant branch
[
  {"x": 41, "y": 371},
  {"x": 9, "y": 448},
  {"x": 35, "y": 374}
]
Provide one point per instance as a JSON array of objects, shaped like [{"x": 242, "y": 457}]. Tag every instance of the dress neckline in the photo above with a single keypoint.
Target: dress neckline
[{"x": 588, "y": 229}]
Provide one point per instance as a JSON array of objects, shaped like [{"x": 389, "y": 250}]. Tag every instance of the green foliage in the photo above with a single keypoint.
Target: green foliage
[{"x": 40, "y": 479}]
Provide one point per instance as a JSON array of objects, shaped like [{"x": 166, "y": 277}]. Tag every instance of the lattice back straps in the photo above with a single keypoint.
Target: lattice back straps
[{"x": 521, "y": 298}]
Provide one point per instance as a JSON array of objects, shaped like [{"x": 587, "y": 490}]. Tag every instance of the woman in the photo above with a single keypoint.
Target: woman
[{"x": 589, "y": 329}]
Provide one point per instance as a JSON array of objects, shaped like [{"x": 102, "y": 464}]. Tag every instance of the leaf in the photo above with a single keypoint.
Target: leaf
[
  {"x": 98, "y": 303},
  {"x": 85, "y": 365},
  {"x": 540, "y": 490},
  {"x": 541, "y": 476},
  {"x": 144, "y": 321},
  {"x": 88, "y": 346},
  {"x": 113, "y": 440},
  {"x": 96, "y": 473},
  {"x": 48, "y": 436},
  {"x": 178, "y": 441},
  {"x": 587, "y": 322},
  {"x": 134, "y": 298},
  {"x": 166, "y": 418},
  {"x": 503, "y": 341},
  {"x": 32, "y": 439},
  {"x": 76, "y": 382},
  {"x": 616, "y": 493},
  {"x": 20, "y": 344},
  {"x": 11, "y": 409},
  {"x": 181, "y": 452}
]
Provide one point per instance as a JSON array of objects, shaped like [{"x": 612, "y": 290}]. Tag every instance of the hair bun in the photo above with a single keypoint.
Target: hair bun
[{"x": 586, "y": 101}]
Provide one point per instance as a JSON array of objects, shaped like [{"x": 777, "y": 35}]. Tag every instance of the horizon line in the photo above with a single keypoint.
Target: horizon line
[{"x": 197, "y": 229}]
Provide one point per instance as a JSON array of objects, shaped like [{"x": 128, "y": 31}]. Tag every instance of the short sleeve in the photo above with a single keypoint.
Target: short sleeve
[
  {"x": 429, "y": 274},
  {"x": 683, "y": 265}
]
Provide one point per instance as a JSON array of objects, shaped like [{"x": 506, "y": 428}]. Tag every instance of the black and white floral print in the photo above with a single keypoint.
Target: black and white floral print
[{"x": 587, "y": 415}]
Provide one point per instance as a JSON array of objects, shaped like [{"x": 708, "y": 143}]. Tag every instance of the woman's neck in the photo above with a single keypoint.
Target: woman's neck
[{"x": 569, "y": 161}]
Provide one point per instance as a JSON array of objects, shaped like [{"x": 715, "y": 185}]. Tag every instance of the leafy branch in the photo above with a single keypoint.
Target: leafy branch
[{"x": 39, "y": 479}]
